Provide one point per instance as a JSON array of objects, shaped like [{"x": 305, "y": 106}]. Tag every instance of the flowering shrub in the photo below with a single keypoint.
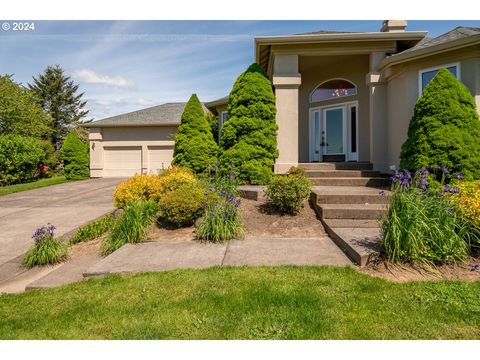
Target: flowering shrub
[
  {"x": 221, "y": 220},
  {"x": 46, "y": 249},
  {"x": 468, "y": 200},
  {"x": 289, "y": 192},
  {"x": 182, "y": 206},
  {"x": 139, "y": 187},
  {"x": 421, "y": 225},
  {"x": 152, "y": 187}
]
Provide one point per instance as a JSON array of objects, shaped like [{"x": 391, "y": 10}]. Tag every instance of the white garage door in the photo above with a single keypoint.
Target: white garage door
[
  {"x": 122, "y": 161},
  {"x": 159, "y": 158}
]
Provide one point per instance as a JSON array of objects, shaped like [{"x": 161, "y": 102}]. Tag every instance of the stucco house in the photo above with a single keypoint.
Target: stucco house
[{"x": 340, "y": 96}]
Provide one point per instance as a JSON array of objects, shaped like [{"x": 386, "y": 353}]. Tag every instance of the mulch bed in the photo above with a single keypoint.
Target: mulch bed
[
  {"x": 406, "y": 272},
  {"x": 260, "y": 219}
]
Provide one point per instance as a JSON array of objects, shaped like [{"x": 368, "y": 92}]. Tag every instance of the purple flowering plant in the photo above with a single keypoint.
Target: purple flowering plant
[{"x": 43, "y": 232}]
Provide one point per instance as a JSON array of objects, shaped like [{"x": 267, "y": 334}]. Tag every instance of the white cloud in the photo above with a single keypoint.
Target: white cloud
[{"x": 91, "y": 77}]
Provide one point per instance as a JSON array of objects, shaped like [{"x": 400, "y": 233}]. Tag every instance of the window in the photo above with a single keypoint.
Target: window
[
  {"x": 333, "y": 89},
  {"x": 223, "y": 117},
  {"x": 426, "y": 75}
]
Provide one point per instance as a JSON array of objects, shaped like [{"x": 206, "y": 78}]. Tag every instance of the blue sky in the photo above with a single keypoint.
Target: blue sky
[{"x": 128, "y": 65}]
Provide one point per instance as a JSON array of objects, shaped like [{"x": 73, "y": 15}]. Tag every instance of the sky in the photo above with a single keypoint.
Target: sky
[{"x": 123, "y": 66}]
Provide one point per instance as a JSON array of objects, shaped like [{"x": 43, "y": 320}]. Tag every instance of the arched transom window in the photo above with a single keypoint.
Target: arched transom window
[{"x": 332, "y": 89}]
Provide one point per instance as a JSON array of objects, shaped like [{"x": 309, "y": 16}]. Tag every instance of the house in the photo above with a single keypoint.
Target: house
[{"x": 340, "y": 96}]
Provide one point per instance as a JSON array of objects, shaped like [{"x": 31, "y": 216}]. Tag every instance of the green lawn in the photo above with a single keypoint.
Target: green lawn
[
  {"x": 5, "y": 190},
  {"x": 245, "y": 303}
]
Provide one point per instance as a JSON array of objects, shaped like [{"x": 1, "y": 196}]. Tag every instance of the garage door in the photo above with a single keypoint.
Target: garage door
[
  {"x": 122, "y": 161},
  {"x": 159, "y": 157}
]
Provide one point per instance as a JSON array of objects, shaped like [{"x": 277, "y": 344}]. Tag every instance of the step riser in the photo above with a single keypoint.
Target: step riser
[
  {"x": 350, "y": 182},
  {"x": 351, "y": 199},
  {"x": 336, "y": 166},
  {"x": 341, "y": 173},
  {"x": 352, "y": 214}
]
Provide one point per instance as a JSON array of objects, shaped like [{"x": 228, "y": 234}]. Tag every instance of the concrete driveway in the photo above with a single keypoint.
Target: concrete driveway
[{"x": 67, "y": 206}]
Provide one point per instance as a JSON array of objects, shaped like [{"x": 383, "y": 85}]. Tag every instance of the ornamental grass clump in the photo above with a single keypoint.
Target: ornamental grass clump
[
  {"x": 93, "y": 230},
  {"x": 131, "y": 226},
  {"x": 221, "y": 220},
  {"x": 46, "y": 249},
  {"x": 421, "y": 226}
]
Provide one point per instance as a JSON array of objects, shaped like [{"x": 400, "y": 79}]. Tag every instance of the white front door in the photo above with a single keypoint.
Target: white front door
[{"x": 334, "y": 131}]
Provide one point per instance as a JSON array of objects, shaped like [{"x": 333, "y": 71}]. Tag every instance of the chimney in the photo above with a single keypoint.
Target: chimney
[{"x": 394, "y": 26}]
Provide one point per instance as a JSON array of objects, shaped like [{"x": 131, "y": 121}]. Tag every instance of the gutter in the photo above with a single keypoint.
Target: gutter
[{"x": 93, "y": 125}]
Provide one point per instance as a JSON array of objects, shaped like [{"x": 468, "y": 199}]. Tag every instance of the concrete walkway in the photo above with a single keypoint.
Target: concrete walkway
[
  {"x": 160, "y": 256},
  {"x": 67, "y": 206}
]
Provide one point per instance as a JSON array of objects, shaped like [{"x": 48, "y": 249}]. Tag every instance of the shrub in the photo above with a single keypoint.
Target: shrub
[
  {"x": 46, "y": 249},
  {"x": 221, "y": 220},
  {"x": 152, "y": 187},
  {"x": 93, "y": 230},
  {"x": 445, "y": 128},
  {"x": 175, "y": 177},
  {"x": 138, "y": 187},
  {"x": 288, "y": 192},
  {"x": 75, "y": 157},
  {"x": 181, "y": 207},
  {"x": 195, "y": 147},
  {"x": 249, "y": 136},
  {"x": 295, "y": 170},
  {"x": 467, "y": 203},
  {"x": 213, "y": 121},
  {"x": 131, "y": 226},
  {"x": 421, "y": 226},
  {"x": 20, "y": 159}
]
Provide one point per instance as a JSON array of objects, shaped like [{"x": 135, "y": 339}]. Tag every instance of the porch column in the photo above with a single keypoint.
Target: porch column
[
  {"x": 95, "y": 138},
  {"x": 286, "y": 80},
  {"x": 377, "y": 114}
]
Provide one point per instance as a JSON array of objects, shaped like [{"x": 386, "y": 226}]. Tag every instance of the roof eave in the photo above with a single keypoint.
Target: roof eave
[
  {"x": 93, "y": 125},
  {"x": 449, "y": 46}
]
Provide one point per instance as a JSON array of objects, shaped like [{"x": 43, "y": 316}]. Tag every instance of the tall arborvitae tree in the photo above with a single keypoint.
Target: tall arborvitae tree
[
  {"x": 444, "y": 129},
  {"x": 249, "y": 136},
  {"x": 195, "y": 147},
  {"x": 59, "y": 96}
]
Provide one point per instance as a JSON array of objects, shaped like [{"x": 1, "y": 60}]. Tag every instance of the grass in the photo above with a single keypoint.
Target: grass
[
  {"x": 48, "y": 251},
  {"x": 131, "y": 226},
  {"x": 10, "y": 189},
  {"x": 93, "y": 230},
  {"x": 245, "y": 303}
]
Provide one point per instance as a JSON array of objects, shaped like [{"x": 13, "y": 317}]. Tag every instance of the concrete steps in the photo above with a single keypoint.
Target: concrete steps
[
  {"x": 336, "y": 166},
  {"x": 350, "y": 181},
  {"x": 349, "y": 199}
]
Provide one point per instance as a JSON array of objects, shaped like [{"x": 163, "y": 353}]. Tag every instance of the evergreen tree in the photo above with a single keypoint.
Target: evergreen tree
[
  {"x": 195, "y": 147},
  {"x": 249, "y": 136},
  {"x": 445, "y": 129},
  {"x": 57, "y": 94},
  {"x": 19, "y": 112},
  {"x": 75, "y": 157}
]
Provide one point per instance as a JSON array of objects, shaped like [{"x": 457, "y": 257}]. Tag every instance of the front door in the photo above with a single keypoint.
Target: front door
[{"x": 333, "y": 132}]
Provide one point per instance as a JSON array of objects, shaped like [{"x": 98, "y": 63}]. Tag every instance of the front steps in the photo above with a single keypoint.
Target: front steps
[{"x": 350, "y": 198}]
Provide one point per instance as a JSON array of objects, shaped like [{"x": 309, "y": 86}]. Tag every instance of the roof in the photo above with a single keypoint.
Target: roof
[
  {"x": 217, "y": 102},
  {"x": 455, "y": 34},
  {"x": 263, "y": 43},
  {"x": 160, "y": 115},
  {"x": 452, "y": 40}
]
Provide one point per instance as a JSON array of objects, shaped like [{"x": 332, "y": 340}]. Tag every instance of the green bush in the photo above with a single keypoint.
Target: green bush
[
  {"x": 75, "y": 156},
  {"x": 249, "y": 136},
  {"x": 20, "y": 159},
  {"x": 421, "y": 226},
  {"x": 445, "y": 129},
  {"x": 289, "y": 192},
  {"x": 213, "y": 121},
  {"x": 93, "y": 230},
  {"x": 181, "y": 207},
  {"x": 131, "y": 226},
  {"x": 47, "y": 250},
  {"x": 195, "y": 147}
]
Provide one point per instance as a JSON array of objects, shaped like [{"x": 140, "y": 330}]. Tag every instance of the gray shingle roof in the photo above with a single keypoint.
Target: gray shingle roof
[
  {"x": 160, "y": 115},
  {"x": 455, "y": 34}
]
